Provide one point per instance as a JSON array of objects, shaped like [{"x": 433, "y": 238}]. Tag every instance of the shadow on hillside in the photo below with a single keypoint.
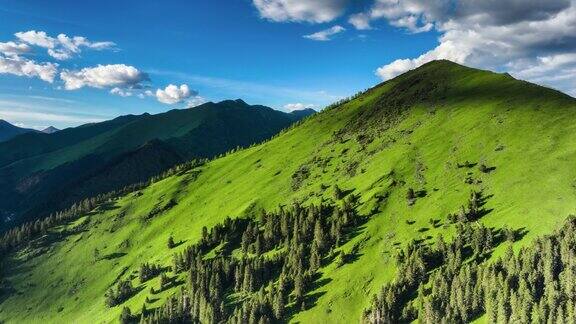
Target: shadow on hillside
[
  {"x": 347, "y": 192},
  {"x": 135, "y": 291},
  {"x": 310, "y": 299},
  {"x": 352, "y": 257},
  {"x": 421, "y": 193},
  {"x": 113, "y": 256},
  {"x": 107, "y": 206},
  {"x": 481, "y": 203},
  {"x": 171, "y": 283},
  {"x": 466, "y": 164},
  {"x": 6, "y": 290},
  {"x": 485, "y": 169},
  {"x": 179, "y": 243}
]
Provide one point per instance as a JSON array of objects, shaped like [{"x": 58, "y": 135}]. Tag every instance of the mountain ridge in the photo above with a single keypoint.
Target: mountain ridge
[
  {"x": 35, "y": 165},
  {"x": 407, "y": 156},
  {"x": 50, "y": 130},
  {"x": 9, "y": 131}
]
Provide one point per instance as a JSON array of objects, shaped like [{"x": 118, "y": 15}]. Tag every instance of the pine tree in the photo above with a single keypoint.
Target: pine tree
[
  {"x": 314, "y": 259},
  {"x": 279, "y": 304},
  {"x": 319, "y": 237},
  {"x": 338, "y": 194},
  {"x": 299, "y": 288},
  {"x": 171, "y": 243},
  {"x": 163, "y": 281},
  {"x": 410, "y": 196},
  {"x": 126, "y": 316}
]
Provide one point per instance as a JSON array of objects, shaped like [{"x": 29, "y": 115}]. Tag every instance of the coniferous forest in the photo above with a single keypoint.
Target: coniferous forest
[
  {"x": 448, "y": 283},
  {"x": 261, "y": 272}
]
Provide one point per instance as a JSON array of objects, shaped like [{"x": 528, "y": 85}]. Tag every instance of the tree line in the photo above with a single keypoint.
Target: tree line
[
  {"x": 450, "y": 283},
  {"x": 28, "y": 231},
  {"x": 263, "y": 270}
]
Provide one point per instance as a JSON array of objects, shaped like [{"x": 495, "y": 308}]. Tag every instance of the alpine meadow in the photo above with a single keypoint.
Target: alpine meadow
[{"x": 208, "y": 162}]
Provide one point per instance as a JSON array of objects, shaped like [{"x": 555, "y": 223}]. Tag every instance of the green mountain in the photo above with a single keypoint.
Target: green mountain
[
  {"x": 429, "y": 177},
  {"x": 41, "y": 173},
  {"x": 9, "y": 131}
]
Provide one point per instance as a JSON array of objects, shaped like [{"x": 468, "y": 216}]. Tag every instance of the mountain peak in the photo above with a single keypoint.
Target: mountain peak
[
  {"x": 303, "y": 112},
  {"x": 442, "y": 62},
  {"x": 236, "y": 102},
  {"x": 50, "y": 130}
]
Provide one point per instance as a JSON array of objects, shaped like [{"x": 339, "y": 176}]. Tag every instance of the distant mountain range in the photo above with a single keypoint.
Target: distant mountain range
[
  {"x": 9, "y": 131},
  {"x": 40, "y": 173}
]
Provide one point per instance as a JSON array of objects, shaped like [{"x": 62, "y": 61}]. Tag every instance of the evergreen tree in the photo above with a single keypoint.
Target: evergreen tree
[
  {"x": 126, "y": 316},
  {"x": 171, "y": 243}
]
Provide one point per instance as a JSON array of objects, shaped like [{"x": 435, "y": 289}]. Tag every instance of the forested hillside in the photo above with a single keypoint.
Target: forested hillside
[
  {"x": 442, "y": 195},
  {"x": 41, "y": 173},
  {"x": 9, "y": 131}
]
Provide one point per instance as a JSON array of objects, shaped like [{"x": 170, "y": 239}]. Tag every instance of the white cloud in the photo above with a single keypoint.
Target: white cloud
[
  {"x": 325, "y": 35},
  {"x": 14, "y": 49},
  {"x": 173, "y": 94},
  {"x": 47, "y": 117},
  {"x": 414, "y": 15},
  {"x": 448, "y": 49},
  {"x": 23, "y": 67},
  {"x": 261, "y": 92},
  {"x": 147, "y": 93},
  {"x": 317, "y": 11},
  {"x": 533, "y": 40},
  {"x": 297, "y": 106},
  {"x": 104, "y": 76},
  {"x": 361, "y": 21},
  {"x": 35, "y": 38},
  {"x": 61, "y": 47},
  {"x": 195, "y": 101},
  {"x": 121, "y": 92}
]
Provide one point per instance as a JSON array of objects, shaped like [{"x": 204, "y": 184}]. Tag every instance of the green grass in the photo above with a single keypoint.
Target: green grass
[
  {"x": 526, "y": 132},
  {"x": 41, "y": 173}
]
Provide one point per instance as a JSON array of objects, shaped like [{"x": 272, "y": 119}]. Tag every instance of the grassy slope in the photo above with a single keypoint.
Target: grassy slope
[
  {"x": 533, "y": 187},
  {"x": 53, "y": 160}
]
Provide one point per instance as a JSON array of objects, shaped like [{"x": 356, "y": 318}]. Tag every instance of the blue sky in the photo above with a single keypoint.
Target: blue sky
[{"x": 278, "y": 53}]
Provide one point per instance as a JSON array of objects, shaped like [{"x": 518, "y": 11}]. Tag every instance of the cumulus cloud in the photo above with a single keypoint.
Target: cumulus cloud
[
  {"x": 104, "y": 76},
  {"x": 530, "y": 39},
  {"x": 121, "y": 92},
  {"x": 23, "y": 67},
  {"x": 14, "y": 49},
  {"x": 414, "y": 15},
  {"x": 360, "y": 20},
  {"x": 173, "y": 94},
  {"x": 61, "y": 47},
  {"x": 297, "y": 106},
  {"x": 13, "y": 58},
  {"x": 317, "y": 11},
  {"x": 195, "y": 101},
  {"x": 326, "y": 34}
]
